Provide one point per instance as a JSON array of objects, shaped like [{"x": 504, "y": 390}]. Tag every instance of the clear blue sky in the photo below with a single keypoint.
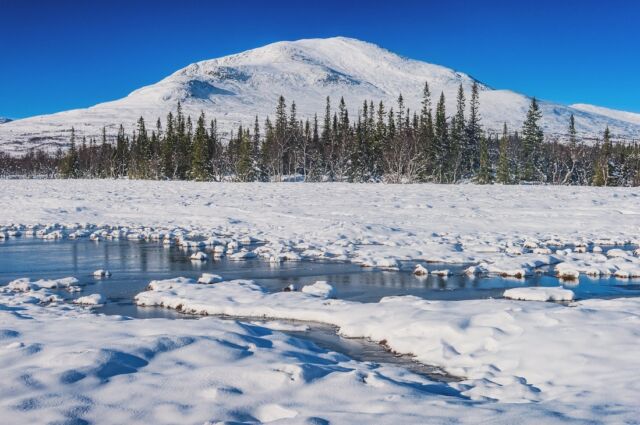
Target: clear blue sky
[{"x": 58, "y": 55}]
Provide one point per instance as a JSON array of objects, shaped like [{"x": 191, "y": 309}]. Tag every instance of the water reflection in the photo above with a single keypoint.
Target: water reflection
[{"x": 134, "y": 263}]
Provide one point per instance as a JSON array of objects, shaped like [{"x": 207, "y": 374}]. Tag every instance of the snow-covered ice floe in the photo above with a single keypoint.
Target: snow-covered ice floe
[
  {"x": 101, "y": 273},
  {"x": 93, "y": 299},
  {"x": 209, "y": 278},
  {"x": 539, "y": 293}
]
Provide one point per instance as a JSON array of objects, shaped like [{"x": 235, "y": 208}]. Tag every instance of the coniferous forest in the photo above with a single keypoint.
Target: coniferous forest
[{"x": 383, "y": 143}]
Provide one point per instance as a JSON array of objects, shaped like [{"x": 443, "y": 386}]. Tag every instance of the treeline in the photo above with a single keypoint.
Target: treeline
[{"x": 381, "y": 143}]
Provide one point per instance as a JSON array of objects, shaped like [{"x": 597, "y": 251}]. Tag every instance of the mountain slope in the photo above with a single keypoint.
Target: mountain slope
[
  {"x": 4, "y": 120},
  {"x": 236, "y": 88},
  {"x": 631, "y": 117}
]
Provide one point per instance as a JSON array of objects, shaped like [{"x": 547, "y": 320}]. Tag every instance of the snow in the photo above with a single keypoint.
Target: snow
[
  {"x": 209, "y": 278},
  {"x": 233, "y": 89},
  {"x": 519, "y": 361},
  {"x": 631, "y": 117},
  {"x": 93, "y": 299},
  {"x": 319, "y": 289},
  {"x": 26, "y": 284},
  {"x": 516, "y": 352},
  {"x": 101, "y": 273},
  {"x": 199, "y": 256},
  {"x": 61, "y": 364},
  {"x": 420, "y": 270},
  {"x": 493, "y": 228},
  {"x": 539, "y": 293}
]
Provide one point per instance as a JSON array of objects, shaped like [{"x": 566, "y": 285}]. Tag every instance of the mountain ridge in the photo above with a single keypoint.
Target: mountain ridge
[{"x": 235, "y": 88}]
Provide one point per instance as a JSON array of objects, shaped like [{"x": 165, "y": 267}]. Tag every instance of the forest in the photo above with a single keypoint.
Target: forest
[{"x": 381, "y": 143}]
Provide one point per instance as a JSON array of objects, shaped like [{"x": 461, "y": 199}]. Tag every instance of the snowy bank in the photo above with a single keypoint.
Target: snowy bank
[
  {"x": 60, "y": 364},
  {"x": 509, "y": 229},
  {"x": 506, "y": 350}
]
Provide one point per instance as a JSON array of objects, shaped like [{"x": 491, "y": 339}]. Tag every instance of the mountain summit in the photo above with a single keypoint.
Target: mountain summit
[{"x": 236, "y": 88}]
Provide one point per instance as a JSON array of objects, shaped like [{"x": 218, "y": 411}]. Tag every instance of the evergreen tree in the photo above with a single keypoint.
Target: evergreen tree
[
  {"x": 441, "y": 140},
  {"x": 456, "y": 157},
  {"x": 244, "y": 167},
  {"x": 216, "y": 151},
  {"x": 474, "y": 131},
  {"x": 200, "y": 164},
  {"x": 532, "y": 138},
  {"x": 168, "y": 150},
  {"x": 70, "y": 168},
  {"x": 484, "y": 170},
  {"x": 426, "y": 136},
  {"x": 573, "y": 137},
  {"x": 602, "y": 172},
  {"x": 504, "y": 174},
  {"x": 280, "y": 136}
]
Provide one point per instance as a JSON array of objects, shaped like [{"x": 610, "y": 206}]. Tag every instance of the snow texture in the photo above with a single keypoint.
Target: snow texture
[
  {"x": 509, "y": 351},
  {"x": 519, "y": 361}
]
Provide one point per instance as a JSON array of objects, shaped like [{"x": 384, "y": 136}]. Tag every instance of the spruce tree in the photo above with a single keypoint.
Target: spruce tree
[
  {"x": 168, "y": 150},
  {"x": 441, "y": 140},
  {"x": 200, "y": 170},
  {"x": 280, "y": 135},
  {"x": 602, "y": 171},
  {"x": 215, "y": 152},
  {"x": 71, "y": 164},
  {"x": 573, "y": 138},
  {"x": 244, "y": 166},
  {"x": 484, "y": 170},
  {"x": 474, "y": 130},
  {"x": 504, "y": 175},
  {"x": 456, "y": 157},
  {"x": 426, "y": 135},
  {"x": 532, "y": 138}
]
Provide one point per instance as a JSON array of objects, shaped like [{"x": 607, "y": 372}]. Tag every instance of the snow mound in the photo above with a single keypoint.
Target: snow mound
[
  {"x": 93, "y": 299},
  {"x": 101, "y": 273},
  {"x": 209, "y": 278},
  {"x": 319, "y": 289},
  {"x": 539, "y": 293},
  {"x": 199, "y": 256}
]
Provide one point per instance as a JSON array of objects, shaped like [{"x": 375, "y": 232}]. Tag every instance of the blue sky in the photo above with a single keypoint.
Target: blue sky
[{"x": 58, "y": 55}]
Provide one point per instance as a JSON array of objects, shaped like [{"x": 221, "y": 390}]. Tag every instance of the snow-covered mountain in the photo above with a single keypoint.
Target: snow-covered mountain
[
  {"x": 236, "y": 88},
  {"x": 631, "y": 117},
  {"x": 4, "y": 120}
]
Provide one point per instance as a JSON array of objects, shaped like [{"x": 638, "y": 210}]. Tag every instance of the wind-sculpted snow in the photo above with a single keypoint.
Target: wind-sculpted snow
[
  {"x": 521, "y": 362},
  {"x": 508, "y": 351},
  {"x": 234, "y": 89},
  {"x": 61, "y": 364}
]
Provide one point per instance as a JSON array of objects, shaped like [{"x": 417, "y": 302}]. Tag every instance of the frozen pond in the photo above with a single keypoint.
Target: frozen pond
[{"x": 134, "y": 264}]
